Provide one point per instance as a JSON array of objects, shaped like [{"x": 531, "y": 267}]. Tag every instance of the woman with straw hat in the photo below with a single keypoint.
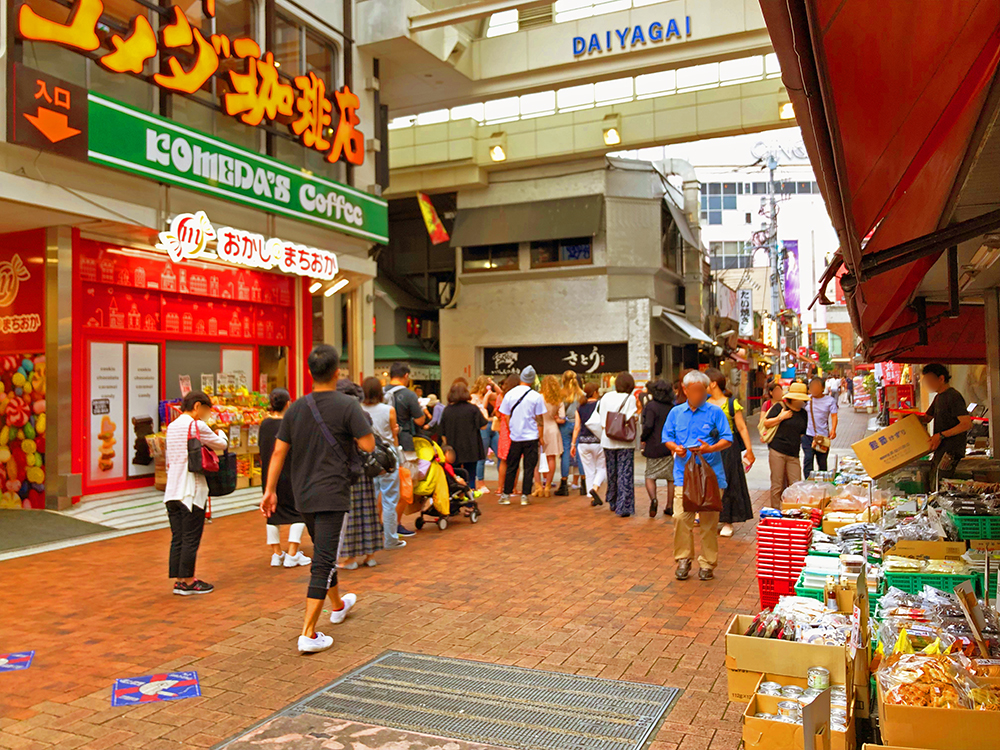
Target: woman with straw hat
[{"x": 790, "y": 418}]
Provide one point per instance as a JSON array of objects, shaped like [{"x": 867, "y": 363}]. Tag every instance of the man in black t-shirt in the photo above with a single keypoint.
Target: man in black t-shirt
[
  {"x": 951, "y": 420},
  {"x": 409, "y": 413},
  {"x": 321, "y": 431}
]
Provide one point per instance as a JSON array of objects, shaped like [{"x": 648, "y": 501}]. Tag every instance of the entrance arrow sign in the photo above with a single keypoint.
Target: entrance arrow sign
[
  {"x": 50, "y": 114},
  {"x": 53, "y": 125}
]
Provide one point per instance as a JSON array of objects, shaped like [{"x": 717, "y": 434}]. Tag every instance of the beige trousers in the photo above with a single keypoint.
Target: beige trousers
[
  {"x": 684, "y": 533},
  {"x": 785, "y": 471}
]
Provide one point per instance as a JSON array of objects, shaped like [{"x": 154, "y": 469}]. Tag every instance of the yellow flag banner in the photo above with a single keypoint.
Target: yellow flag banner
[{"x": 435, "y": 229}]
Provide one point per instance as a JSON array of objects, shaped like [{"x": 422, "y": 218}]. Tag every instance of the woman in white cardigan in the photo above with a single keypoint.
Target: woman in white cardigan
[
  {"x": 619, "y": 455},
  {"x": 187, "y": 493}
]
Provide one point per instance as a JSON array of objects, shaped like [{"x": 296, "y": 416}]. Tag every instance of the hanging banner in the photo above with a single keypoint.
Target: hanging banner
[
  {"x": 105, "y": 436},
  {"x": 791, "y": 274},
  {"x": 745, "y": 305},
  {"x": 435, "y": 229},
  {"x": 22, "y": 292},
  {"x": 143, "y": 405}
]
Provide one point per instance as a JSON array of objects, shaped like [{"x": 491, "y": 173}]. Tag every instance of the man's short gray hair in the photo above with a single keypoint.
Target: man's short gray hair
[{"x": 696, "y": 376}]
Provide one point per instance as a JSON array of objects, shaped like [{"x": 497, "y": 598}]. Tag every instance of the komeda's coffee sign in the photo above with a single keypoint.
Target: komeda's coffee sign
[{"x": 257, "y": 92}]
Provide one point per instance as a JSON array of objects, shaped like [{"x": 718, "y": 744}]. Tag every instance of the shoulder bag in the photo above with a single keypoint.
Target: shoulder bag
[
  {"x": 353, "y": 461},
  {"x": 820, "y": 443},
  {"x": 201, "y": 458},
  {"x": 766, "y": 433},
  {"x": 223, "y": 481},
  {"x": 616, "y": 427}
]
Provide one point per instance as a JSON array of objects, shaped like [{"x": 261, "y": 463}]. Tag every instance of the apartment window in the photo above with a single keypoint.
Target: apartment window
[
  {"x": 505, "y": 22},
  {"x": 760, "y": 188},
  {"x": 671, "y": 242},
  {"x": 490, "y": 257},
  {"x": 729, "y": 196},
  {"x": 803, "y": 187},
  {"x": 567, "y": 252},
  {"x": 730, "y": 254},
  {"x": 836, "y": 345}
]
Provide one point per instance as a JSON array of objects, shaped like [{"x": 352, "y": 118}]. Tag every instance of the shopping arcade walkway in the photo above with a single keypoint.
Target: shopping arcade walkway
[{"x": 557, "y": 585}]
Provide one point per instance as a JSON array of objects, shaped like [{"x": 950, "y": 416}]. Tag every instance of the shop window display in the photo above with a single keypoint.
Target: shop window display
[{"x": 22, "y": 431}]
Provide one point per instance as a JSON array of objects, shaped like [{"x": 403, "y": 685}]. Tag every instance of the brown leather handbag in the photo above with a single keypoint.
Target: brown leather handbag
[
  {"x": 701, "y": 487},
  {"x": 617, "y": 427}
]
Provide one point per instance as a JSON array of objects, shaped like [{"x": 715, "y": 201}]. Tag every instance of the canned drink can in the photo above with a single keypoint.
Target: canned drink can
[
  {"x": 810, "y": 695},
  {"x": 789, "y": 709},
  {"x": 818, "y": 678},
  {"x": 792, "y": 691},
  {"x": 770, "y": 688}
]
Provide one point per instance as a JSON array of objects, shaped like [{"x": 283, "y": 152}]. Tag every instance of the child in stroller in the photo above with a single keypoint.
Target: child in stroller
[{"x": 451, "y": 497}]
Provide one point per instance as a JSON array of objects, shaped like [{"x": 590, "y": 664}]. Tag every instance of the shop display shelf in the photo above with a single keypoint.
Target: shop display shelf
[
  {"x": 976, "y": 527},
  {"x": 913, "y": 583}
]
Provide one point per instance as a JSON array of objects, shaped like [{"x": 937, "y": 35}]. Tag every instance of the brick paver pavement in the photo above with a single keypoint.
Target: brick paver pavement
[{"x": 557, "y": 585}]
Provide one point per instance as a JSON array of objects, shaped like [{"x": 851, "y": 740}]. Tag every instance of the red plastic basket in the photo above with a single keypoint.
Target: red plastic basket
[{"x": 772, "y": 589}]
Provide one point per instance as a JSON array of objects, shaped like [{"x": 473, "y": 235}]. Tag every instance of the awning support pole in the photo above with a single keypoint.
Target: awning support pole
[
  {"x": 953, "y": 289},
  {"x": 991, "y": 298}
]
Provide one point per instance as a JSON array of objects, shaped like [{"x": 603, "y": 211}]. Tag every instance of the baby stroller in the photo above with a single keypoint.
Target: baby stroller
[{"x": 431, "y": 481}]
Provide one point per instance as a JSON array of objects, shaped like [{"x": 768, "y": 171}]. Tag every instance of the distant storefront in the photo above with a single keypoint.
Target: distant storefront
[{"x": 590, "y": 361}]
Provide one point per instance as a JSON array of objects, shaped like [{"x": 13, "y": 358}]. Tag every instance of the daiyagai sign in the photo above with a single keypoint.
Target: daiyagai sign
[{"x": 630, "y": 37}]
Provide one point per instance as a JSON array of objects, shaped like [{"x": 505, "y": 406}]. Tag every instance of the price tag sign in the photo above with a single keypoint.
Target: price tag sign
[
  {"x": 985, "y": 545},
  {"x": 855, "y": 630}
]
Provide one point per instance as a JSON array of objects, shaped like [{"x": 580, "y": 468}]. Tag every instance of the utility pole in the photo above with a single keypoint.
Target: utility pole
[{"x": 774, "y": 255}]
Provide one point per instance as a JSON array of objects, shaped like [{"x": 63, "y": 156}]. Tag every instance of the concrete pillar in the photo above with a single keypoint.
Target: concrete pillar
[
  {"x": 333, "y": 321},
  {"x": 61, "y": 485},
  {"x": 640, "y": 339},
  {"x": 360, "y": 336},
  {"x": 991, "y": 298}
]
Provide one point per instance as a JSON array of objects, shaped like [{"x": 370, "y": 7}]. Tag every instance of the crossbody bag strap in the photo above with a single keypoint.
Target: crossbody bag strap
[
  {"x": 323, "y": 428},
  {"x": 812, "y": 411},
  {"x": 519, "y": 402}
]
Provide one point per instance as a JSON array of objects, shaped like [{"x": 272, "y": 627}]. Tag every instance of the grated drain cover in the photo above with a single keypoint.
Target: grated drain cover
[{"x": 511, "y": 707}]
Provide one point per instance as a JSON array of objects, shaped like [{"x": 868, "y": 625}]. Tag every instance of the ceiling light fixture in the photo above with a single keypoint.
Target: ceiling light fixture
[
  {"x": 786, "y": 111},
  {"x": 315, "y": 287},
  {"x": 612, "y": 128},
  {"x": 498, "y": 146},
  {"x": 336, "y": 287}
]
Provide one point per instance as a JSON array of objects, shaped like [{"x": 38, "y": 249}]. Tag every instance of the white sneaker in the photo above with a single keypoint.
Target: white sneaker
[
  {"x": 504, "y": 500},
  {"x": 371, "y": 563},
  {"x": 524, "y": 499},
  {"x": 339, "y": 616},
  {"x": 276, "y": 559},
  {"x": 298, "y": 558},
  {"x": 309, "y": 645}
]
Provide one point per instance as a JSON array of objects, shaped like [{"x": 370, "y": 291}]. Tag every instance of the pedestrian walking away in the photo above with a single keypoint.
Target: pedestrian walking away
[
  {"x": 484, "y": 395},
  {"x": 659, "y": 459},
  {"x": 285, "y": 514},
  {"x": 737, "y": 506},
  {"x": 696, "y": 427},
  {"x": 619, "y": 407},
  {"x": 525, "y": 409},
  {"x": 501, "y": 426},
  {"x": 821, "y": 414},
  {"x": 384, "y": 424},
  {"x": 462, "y": 426},
  {"x": 570, "y": 469},
  {"x": 361, "y": 536},
  {"x": 187, "y": 490},
  {"x": 789, "y": 416},
  {"x": 588, "y": 445},
  {"x": 323, "y": 432},
  {"x": 552, "y": 421},
  {"x": 410, "y": 414}
]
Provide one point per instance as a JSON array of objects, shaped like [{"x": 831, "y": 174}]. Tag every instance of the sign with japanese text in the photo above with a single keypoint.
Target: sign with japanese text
[
  {"x": 893, "y": 446},
  {"x": 135, "y": 141},
  {"x": 22, "y": 292},
  {"x": 745, "y": 310},
  {"x": 49, "y": 113},
  {"x": 554, "y": 360},
  {"x": 189, "y": 235},
  {"x": 255, "y": 93}
]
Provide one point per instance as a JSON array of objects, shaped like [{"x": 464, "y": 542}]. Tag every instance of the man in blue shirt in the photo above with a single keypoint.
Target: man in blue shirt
[{"x": 696, "y": 427}]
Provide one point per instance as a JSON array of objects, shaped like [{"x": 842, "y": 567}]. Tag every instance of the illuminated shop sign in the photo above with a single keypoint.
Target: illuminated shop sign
[
  {"x": 189, "y": 235},
  {"x": 321, "y": 122},
  {"x": 632, "y": 36}
]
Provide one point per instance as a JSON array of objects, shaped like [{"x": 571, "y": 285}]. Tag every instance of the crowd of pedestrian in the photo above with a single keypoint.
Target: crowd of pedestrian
[{"x": 314, "y": 449}]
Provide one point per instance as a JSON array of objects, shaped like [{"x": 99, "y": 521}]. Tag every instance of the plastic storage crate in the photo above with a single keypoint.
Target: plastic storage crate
[
  {"x": 976, "y": 527},
  {"x": 800, "y": 590},
  {"x": 772, "y": 589},
  {"x": 913, "y": 583}
]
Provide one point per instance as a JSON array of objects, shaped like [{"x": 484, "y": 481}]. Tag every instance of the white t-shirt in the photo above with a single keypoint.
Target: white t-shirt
[
  {"x": 833, "y": 385},
  {"x": 620, "y": 402},
  {"x": 523, "y": 426}
]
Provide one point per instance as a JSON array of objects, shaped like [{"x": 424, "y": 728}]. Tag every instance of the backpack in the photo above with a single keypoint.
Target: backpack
[{"x": 390, "y": 399}]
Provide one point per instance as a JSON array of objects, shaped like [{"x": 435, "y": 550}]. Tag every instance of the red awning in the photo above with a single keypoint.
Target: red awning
[
  {"x": 756, "y": 345},
  {"x": 888, "y": 96}
]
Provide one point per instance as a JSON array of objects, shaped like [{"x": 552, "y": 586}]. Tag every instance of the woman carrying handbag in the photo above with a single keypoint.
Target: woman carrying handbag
[
  {"x": 616, "y": 420},
  {"x": 191, "y": 447}
]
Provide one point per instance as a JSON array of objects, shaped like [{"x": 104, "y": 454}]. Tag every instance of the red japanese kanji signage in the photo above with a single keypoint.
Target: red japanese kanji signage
[
  {"x": 49, "y": 113},
  {"x": 22, "y": 292},
  {"x": 321, "y": 122}
]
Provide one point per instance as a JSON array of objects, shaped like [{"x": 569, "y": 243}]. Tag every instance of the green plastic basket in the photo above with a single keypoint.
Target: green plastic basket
[
  {"x": 800, "y": 590},
  {"x": 913, "y": 583},
  {"x": 976, "y": 527}
]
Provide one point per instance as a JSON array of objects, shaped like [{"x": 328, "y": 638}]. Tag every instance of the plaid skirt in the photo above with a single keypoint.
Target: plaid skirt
[{"x": 362, "y": 534}]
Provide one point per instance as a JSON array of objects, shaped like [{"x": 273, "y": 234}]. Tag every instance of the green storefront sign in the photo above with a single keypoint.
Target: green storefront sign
[{"x": 135, "y": 141}]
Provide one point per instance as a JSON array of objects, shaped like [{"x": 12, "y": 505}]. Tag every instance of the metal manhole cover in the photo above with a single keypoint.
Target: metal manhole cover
[{"x": 510, "y": 707}]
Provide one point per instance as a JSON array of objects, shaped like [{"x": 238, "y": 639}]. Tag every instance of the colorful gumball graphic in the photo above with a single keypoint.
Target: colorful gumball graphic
[{"x": 22, "y": 427}]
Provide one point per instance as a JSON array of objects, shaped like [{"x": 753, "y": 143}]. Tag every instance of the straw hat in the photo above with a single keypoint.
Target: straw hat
[
  {"x": 797, "y": 392},
  {"x": 432, "y": 401}
]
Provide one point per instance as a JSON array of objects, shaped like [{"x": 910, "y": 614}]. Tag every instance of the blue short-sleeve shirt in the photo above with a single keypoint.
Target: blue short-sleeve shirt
[{"x": 686, "y": 427}]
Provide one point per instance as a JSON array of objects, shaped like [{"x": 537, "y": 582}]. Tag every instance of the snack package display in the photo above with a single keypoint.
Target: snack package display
[{"x": 925, "y": 680}]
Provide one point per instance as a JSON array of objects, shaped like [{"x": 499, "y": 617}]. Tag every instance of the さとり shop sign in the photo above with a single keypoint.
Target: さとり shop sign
[{"x": 255, "y": 93}]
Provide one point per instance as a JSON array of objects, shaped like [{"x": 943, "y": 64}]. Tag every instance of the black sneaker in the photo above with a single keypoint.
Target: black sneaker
[
  {"x": 597, "y": 499},
  {"x": 188, "y": 589}
]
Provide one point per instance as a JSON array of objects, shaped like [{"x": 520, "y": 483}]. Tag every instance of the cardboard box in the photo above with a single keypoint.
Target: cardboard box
[
  {"x": 242, "y": 483},
  {"x": 830, "y": 527},
  {"x": 892, "y": 447},
  {"x": 748, "y": 658},
  {"x": 764, "y": 734},
  {"x": 938, "y": 728},
  {"x": 929, "y": 550},
  {"x": 869, "y": 746}
]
